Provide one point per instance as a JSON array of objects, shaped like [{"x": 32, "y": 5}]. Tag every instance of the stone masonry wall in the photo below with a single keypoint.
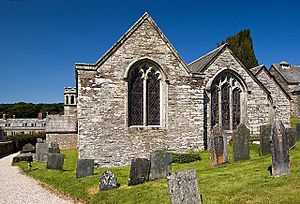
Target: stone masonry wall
[
  {"x": 104, "y": 134},
  {"x": 257, "y": 102},
  {"x": 62, "y": 129},
  {"x": 280, "y": 100}
]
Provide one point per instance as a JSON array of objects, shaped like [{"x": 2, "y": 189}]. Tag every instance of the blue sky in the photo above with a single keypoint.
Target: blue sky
[{"x": 41, "y": 40}]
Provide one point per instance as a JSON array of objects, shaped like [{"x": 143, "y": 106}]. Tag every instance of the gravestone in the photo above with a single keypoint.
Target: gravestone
[
  {"x": 291, "y": 135},
  {"x": 241, "y": 143},
  {"x": 298, "y": 131},
  {"x": 218, "y": 147},
  {"x": 28, "y": 148},
  {"x": 41, "y": 152},
  {"x": 84, "y": 167},
  {"x": 39, "y": 140},
  {"x": 55, "y": 161},
  {"x": 23, "y": 157},
  {"x": 54, "y": 148},
  {"x": 183, "y": 187},
  {"x": 265, "y": 140},
  {"x": 280, "y": 150},
  {"x": 139, "y": 171},
  {"x": 108, "y": 181},
  {"x": 160, "y": 165}
]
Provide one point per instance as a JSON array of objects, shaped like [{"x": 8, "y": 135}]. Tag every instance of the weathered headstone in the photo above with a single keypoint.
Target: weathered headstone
[
  {"x": 160, "y": 165},
  {"x": 84, "y": 167},
  {"x": 183, "y": 187},
  {"x": 23, "y": 157},
  {"x": 241, "y": 143},
  {"x": 291, "y": 135},
  {"x": 298, "y": 131},
  {"x": 139, "y": 171},
  {"x": 39, "y": 140},
  {"x": 218, "y": 147},
  {"x": 55, "y": 161},
  {"x": 28, "y": 148},
  {"x": 54, "y": 148},
  {"x": 108, "y": 181},
  {"x": 265, "y": 140},
  {"x": 41, "y": 152},
  {"x": 280, "y": 150}
]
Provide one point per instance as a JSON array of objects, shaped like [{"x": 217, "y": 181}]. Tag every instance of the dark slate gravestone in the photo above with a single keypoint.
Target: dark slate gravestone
[
  {"x": 291, "y": 135},
  {"x": 265, "y": 140},
  {"x": 55, "y": 161},
  {"x": 218, "y": 147},
  {"x": 41, "y": 152},
  {"x": 160, "y": 165},
  {"x": 108, "y": 181},
  {"x": 28, "y": 148},
  {"x": 280, "y": 150},
  {"x": 298, "y": 131},
  {"x": 84, "y": 167},
  {"x": 139, "y": 171},
  {"x": 54, "y": 148},
  {"x": 241, "y": 143},
  {"x": 183, "y": 187},
  {"x": 23, "y": 157}
]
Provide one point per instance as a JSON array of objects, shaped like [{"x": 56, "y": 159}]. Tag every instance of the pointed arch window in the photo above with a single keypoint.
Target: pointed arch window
[{"x": 144, "y": 99}]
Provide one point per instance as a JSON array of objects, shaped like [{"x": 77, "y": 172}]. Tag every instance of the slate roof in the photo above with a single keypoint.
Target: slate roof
[
  {"x": 296, "y": 89},
  {"x": 254, "y": 70},
  {"x": 200, "y": 64},
  {"x": 291, "y": 74}
]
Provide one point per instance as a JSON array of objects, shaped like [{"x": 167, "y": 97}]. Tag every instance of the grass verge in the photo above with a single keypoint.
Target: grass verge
[{"x": 241, "y": 182}]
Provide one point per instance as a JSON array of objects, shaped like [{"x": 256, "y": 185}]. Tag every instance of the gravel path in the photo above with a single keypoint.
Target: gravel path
[{"x": 17, "y": 188}]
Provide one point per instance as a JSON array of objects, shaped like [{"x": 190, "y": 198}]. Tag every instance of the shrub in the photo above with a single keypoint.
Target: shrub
[
  {"x": 182, "y": 158},
  {"x": 20, "y": 140}
]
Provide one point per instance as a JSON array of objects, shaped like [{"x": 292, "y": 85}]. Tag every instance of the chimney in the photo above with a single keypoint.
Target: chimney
[
  {"x": 14, "y": 116},
  {"x": 4, "y": 117},
  {"x": 40, "y": 116}
]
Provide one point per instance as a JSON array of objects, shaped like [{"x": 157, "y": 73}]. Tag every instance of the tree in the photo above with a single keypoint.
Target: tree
[{"x": 241, "y": 44}]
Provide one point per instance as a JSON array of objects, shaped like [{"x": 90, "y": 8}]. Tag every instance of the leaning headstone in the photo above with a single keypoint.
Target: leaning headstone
[
  {"x": 298, "y": 131},
  {"x": 108, "y": 181},
  {"x": 265, "y": 140},
  {"x": 54, "y": 148},
  {"x": 139, "y": 171},
  {"x": 23, "y": 157},
  {"x": 291, "y": 135},
  {"x": 280, "y": 150},
  {"x": 28, "y": 148},
  {"x": 84, "y": 167},
  {"x": 160, "y": 165},
  {"x": 55, "y": 161},
  {"x": 41, "y": 152},
  {"x": 241, "y": 143},
  {"x": 183, "y": 187},
  {"x": 218, "y": 147}
]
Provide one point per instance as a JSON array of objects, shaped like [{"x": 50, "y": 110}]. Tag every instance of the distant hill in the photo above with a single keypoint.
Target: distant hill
[
  {"x": 242, "y": 45},
  {"x": 30, "y": 110}
]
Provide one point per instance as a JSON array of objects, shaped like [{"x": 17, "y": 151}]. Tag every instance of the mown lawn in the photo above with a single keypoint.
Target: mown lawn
[{"x": 241, "y": 182}]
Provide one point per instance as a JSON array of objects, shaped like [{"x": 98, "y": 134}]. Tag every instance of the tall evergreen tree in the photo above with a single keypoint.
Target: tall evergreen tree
[{"x": 241, "y": 44}]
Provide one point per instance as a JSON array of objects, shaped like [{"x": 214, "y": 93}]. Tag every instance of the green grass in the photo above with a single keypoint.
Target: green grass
[
  {"x": 294, "y": 121},
  {"x": 241, "y": 182}
]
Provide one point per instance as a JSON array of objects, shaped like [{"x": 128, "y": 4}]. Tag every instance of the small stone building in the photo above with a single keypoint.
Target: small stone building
[
  {"x": 289, "y": 78},
  {"x": 140, "y": 96}
]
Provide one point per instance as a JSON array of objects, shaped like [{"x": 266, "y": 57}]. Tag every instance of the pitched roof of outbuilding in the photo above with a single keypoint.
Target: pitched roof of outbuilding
[
  {"x": 200, "y": 64},
  {"x": 291, "y": 73},
  {"x": 256, "y": 69}
]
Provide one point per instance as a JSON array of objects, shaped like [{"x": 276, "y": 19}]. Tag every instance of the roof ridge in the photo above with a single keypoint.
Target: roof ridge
[{"x": 220, "y": 47}]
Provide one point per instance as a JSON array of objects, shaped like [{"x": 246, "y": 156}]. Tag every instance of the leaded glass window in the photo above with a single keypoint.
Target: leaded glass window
[
  {"x": 236, "y": 108},
  {"x": 215, "y": 107},
  {"x": 153, "y": 102},
  {"x": 225, "y": 107},
  {"x": 135, "y": 102}
]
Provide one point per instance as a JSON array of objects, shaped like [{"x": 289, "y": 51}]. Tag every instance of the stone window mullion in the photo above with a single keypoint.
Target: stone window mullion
[{"x": 145, "y": 100}]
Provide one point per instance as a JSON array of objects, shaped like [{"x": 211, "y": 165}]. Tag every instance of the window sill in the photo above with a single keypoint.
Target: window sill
[{"x": 140, "y": 127}]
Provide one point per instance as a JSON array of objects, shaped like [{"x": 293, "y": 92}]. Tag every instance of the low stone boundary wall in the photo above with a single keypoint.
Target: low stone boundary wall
[
  {"x": 65, "y": 141},
  {"x": 6, "y": 148}
]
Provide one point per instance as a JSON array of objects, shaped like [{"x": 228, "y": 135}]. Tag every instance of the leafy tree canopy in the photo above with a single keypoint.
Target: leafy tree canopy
[
  {"x": 241, "y": 44},
  {"x": 30, "y": 110}
]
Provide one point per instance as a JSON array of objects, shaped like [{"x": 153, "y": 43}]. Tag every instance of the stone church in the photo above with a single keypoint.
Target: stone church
[{"x": 141, "y": 96}]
